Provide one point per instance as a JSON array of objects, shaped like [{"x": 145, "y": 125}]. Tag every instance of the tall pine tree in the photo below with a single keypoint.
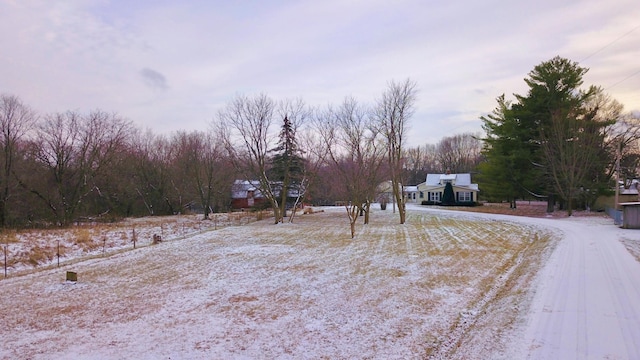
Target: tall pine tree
[
  {"x": 547, "y": 143},
  {"x": 287, "y": 165}
]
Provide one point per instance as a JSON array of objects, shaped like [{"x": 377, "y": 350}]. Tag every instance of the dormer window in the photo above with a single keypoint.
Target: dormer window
[{"x": 448, "y": 178}]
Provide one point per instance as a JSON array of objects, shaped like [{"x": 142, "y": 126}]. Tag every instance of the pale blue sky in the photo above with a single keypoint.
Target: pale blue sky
[{"x": 170, "y": 65}]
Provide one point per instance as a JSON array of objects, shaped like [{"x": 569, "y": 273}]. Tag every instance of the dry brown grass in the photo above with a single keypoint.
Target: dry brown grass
[
  {"x": 9, "y": 237},
  {"x": 32, "y": 248}
]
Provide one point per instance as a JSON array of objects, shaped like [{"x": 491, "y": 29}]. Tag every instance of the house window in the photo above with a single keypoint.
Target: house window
[
  {"x": 464, "y": 196},
  {"x": 414, "y": 196},
  {"x": 434, "y": 196},
  {"x": 421, "y": 195}
]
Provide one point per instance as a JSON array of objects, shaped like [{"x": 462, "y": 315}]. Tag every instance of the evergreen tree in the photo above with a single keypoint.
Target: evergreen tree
[
  {"x": 287, "y": 164},
  {"x": 507, "y": 169},
  {"x": 448, "y": 197},
  {"x": 546, "y": 143}
]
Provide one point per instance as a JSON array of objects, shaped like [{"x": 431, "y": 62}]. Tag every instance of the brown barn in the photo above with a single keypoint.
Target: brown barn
[{"x": 246, "y": 194}]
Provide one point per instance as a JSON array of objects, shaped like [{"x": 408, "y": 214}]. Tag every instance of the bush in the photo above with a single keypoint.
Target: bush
[{"x": 425, "y": 202}]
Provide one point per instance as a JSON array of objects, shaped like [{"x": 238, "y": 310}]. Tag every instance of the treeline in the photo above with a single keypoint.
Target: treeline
[
  {"x": 66, "y": 167},
  {"x": 560, "y": 142},
  {"x": 60, "y": 168}
]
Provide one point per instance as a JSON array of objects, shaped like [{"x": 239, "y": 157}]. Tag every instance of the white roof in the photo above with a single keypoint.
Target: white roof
[
  {"x": 632, "y": 203},
  {"x": 460, "y": 179}
]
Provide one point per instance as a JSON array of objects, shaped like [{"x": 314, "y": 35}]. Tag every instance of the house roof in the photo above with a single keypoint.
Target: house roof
[
  {"x": 240, "y": 188},
  {"x": 460, "y": 179}
]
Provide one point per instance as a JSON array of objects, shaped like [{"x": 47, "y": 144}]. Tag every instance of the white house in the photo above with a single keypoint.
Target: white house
[
  {"x": 432, "y": 190},
  {"x": 411, "y": 194}
]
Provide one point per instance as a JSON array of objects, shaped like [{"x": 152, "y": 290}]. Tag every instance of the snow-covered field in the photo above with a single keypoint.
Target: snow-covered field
[
  {"x": 444, "y": 285},
  {"x": 29, "y": 250}
]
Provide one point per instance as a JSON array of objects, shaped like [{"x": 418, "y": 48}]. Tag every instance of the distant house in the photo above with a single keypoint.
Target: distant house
[
  {"x": 246, "y": 194},
  {"x": 411, "y": 194},
  {"x": 432, "y": 190},
  {"x": 385, "y": 193}
]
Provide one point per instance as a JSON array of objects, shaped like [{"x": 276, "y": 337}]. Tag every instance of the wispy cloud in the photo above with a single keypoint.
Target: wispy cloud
[{"x": 153, "y": 79}]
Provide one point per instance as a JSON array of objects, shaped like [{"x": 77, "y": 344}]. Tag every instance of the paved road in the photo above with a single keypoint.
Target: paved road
[{"x": 587, "y": 305}]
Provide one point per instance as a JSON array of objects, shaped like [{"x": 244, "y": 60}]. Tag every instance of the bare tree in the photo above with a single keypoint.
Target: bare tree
[
  {"x": 393, "y": 112},
  {"x": 154, "y": 157},
  {"x": 419, "y": 161},
  {"x": 203, "y": 164},
  {"x": 315, "y": 158},
  {"x": 74, "y": 151},
  {"x": 621, "y": 135},
  {"x": 355, "y": 151},
  {"x": 16, "y": 120},
  {"x": 571, "y": 144},
  {"x": 459, "y": 153},
  {"x": 251, "y": 118}
]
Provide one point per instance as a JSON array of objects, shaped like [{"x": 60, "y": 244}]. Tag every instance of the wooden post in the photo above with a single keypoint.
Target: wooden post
[
  {"x": 133, "y": 237},
  {"x": 104, "y": 244},
  {"x": 58, "y": 253},
  {"x": 5, "y": 261}
]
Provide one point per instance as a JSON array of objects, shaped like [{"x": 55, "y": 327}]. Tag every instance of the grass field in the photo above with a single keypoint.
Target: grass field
[{"x": 440, "y": 286}]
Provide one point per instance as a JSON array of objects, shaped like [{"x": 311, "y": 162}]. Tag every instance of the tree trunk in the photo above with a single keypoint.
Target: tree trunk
[
  {"x": 550, "y": 203},
  {"x": 367, "y": 207}
]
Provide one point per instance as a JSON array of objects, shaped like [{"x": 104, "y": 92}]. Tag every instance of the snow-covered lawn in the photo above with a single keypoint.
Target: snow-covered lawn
[
  {"x": 444, "y": 285},
  {"x": 36, "y": 249}
]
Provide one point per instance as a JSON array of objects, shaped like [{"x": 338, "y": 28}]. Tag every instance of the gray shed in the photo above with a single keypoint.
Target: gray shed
[{"x": 631, "y": 215}]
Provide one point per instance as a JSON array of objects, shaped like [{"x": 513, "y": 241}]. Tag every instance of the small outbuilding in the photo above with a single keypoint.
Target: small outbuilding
[{"x": 631, "y": 215}]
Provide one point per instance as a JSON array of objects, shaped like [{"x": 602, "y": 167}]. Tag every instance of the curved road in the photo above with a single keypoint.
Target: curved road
[
  {"x": 587, "y": 305},
  {"x": 587, "y": 301}
]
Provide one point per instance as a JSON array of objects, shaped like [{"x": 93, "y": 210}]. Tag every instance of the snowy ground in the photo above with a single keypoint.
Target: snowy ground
[
  {"x": 32, "y": 250},
  {"x": 587, "y": 296},
  {"x": 445, "y": 285}
]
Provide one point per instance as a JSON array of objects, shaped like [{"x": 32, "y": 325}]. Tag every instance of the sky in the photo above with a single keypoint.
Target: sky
[{"x": 172, "y": 65}]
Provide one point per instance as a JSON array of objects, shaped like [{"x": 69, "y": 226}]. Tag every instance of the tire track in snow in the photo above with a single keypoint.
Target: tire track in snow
[
  {"x": 582, "y": 336},
  {"x": 623, "y": 300}
]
